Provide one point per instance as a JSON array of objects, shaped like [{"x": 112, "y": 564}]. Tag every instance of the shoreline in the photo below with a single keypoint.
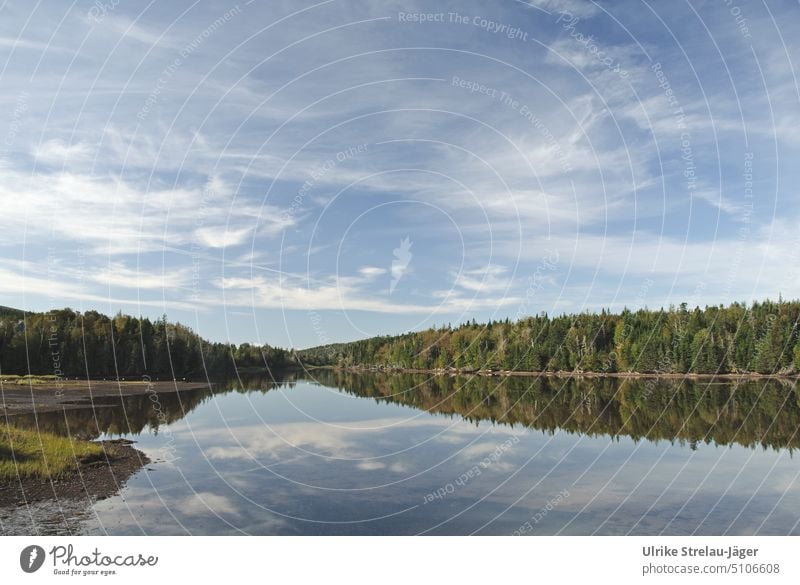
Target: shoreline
[
  {"x": 93, "y": 480},
  {"x": 76, "y": 394},
  {"x": 559, "y": 374}
]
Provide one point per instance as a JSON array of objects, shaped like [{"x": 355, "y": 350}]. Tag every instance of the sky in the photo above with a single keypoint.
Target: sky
[{"x": 299, "y": 173}]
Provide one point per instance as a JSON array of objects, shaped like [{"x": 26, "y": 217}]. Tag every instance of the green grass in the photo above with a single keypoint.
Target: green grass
[{"x": 25, "y": 454}]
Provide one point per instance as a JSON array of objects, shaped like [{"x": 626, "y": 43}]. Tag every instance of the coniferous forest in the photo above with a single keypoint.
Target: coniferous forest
[
  {"x": 739, "y": 339},
  {"x": 67, "y": 343}
]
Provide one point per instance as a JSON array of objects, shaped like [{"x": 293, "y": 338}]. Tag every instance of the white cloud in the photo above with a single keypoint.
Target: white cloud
[
  {"x": 219, "y": 237},
  {"x": 371, "y": 271},
  {"x": 293, "y": 293},
  {"x": 715, "y": 199},
  {"x": 116, "y": 217},
  {"x": 15, "y": 286},
  {"x": 370, "y": 465},
  {"x": 18, "y": 43},
  {"x": 57, "y": 152},
  {"x": 490, "y": 278},
  {"x": 129, "y": 29},
  {"x": 578, "y": 8},
  {"x": 339, "y": 293},
  {"x": 119, "y": 275}
]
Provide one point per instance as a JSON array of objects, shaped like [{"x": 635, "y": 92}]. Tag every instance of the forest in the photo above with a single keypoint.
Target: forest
[
  {"x": 738, "y": 339},
  {"x": 68, "y": 343}
]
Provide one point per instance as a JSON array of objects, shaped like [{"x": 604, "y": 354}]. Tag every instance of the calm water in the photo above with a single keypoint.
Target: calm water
[{"x": 403, "y": 454}]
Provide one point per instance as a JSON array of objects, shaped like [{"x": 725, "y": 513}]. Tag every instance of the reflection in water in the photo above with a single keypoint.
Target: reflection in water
[
  {"x": 133, "y": 415},
  {"x": 355, "y": 453},
  {"x": 749, "y": 413},
  {"x": 765, "y": 413}
]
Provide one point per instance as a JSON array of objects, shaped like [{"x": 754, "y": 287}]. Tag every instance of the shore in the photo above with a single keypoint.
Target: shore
[
  {"x": 95, "y": 470},
  {"x": 94, "y": 479},
  {"x": 75, "y": 394},
  {"x": 560, "y": 374}
]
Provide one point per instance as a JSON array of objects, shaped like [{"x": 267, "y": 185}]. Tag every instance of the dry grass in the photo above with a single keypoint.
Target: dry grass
[{"x": 33, "y": 379}]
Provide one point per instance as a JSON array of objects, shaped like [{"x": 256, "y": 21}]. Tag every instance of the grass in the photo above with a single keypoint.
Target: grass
[
  {"x": 34, "y": 379},
  {"x": 49, "y": 379},
  {"x": 26, "y": 454}
]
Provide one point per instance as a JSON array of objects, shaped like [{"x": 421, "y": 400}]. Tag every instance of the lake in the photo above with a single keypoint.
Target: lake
[{"x": 329, "y": 452}]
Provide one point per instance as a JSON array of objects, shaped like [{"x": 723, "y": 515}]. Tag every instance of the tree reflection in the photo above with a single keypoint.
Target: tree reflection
[
  {"x": 133, "y": 415},
  {"x": 752, "y": 413}
]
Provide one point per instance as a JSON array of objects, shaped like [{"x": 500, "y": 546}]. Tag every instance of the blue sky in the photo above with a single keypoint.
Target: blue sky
[{"x": 297, "y": 173}]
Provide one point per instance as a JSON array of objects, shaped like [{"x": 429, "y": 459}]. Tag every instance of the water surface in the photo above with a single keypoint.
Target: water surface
[{"x": 335, "y": 453}]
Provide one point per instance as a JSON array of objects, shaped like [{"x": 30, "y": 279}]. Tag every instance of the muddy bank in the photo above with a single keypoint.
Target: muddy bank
[
  {"x": 75, "y": 394},
  {"x": 95, "y": 479}
]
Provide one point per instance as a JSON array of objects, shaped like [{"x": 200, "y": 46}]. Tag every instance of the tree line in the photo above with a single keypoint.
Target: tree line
[
  {"x": 740, "y": 338},
  {"x": 72, "y": 344}
]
